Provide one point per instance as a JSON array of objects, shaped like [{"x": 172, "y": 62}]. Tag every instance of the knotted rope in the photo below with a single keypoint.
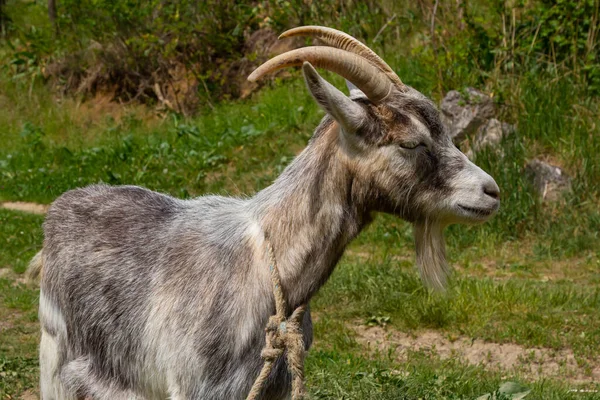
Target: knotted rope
[{"x": 282, "y": 335}]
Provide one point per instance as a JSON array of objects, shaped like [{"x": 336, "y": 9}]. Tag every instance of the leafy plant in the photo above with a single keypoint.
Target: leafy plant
[
  {"x": 378, "y": 320},
  {"x": 32, "y": 135},
  {"x": 507, "y": 391}
]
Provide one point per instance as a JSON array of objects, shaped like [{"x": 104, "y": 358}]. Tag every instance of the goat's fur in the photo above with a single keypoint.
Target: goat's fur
[{"x": 144, "y": 296}]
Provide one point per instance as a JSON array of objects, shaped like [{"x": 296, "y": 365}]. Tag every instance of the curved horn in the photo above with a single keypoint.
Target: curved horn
[
  {"x": 341, "y": 40},
  {"x": 357, "y": 70}
]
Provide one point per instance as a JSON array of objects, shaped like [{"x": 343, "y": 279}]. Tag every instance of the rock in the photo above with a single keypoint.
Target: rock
[
  {"x": 549, "y": 181},
  {"x": 490, "y": 134},
  {"x": 464, "y": 114}
]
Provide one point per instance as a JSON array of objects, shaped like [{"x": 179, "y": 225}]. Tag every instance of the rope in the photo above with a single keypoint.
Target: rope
[{"x": 283, "y": 335}]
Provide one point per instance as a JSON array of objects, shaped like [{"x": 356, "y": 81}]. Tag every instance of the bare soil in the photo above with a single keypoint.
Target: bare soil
[
  {"x": 33, "y": 208},
  {"x": 534, "y": 363},
  {"x": 29, "y": 395},
  {"x": 16, "y": 279}
]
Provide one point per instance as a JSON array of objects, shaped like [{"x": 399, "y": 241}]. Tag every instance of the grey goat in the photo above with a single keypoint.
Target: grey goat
[{"x": 144, "y": 296}]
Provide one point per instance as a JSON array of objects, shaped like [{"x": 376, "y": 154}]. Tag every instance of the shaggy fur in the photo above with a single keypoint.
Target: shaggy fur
[{"x": 144, "y": 296}]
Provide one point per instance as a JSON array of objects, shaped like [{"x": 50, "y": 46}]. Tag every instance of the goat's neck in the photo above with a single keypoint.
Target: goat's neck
[{"x": 311, "y": 213}]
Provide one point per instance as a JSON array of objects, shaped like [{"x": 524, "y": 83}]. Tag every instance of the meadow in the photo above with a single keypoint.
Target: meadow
[{"x": 523, "y": 305}]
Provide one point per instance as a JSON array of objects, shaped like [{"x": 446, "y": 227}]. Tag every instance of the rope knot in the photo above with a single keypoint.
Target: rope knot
[
  {"x": 282, "y": 335},
  {"x": 271, "y": 354}
]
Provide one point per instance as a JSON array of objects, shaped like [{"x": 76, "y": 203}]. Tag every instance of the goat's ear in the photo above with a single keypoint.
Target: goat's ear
[
  {"x": 355, "y": 93},
  {"x": 346, "y": 112}
]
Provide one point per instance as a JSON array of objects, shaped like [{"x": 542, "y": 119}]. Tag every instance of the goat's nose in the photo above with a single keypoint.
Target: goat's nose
[{"x": 491, "y": 189}]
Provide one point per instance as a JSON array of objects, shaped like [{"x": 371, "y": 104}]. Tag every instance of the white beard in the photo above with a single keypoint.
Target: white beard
[{"x": 431, "y": 254}]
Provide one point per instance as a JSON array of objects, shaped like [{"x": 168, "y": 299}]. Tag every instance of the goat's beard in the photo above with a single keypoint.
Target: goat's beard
[{"x": 431, "y": 253}]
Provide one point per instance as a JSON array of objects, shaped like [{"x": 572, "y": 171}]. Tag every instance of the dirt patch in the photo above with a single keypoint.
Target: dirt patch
[
  {"x": 534, "y": 363},
  {"x": 97, "y": 109},
  {"x": 33, "y": 208},
  {"x": 5, "y": 325},
  {"x": 29, "y": 395},
  {"x": 16, "y": 279}
]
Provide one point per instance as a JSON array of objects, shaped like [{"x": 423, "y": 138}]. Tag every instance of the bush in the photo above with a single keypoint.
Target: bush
[
  {"x": 174, "y": 52},
  {"x": 158, "y": 50}
]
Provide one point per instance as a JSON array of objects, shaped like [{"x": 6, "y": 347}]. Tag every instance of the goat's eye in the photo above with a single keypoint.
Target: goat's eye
[{"x": 411, "y": 145}]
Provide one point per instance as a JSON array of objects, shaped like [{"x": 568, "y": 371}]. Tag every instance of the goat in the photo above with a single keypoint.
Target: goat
[{"x": 144, "y": 296}]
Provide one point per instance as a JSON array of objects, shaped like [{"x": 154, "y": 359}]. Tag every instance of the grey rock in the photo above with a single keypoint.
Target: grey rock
[
  {"x": 464, "y": 114},
  {"x": 549, "y": 181},
  {"x": 490, "y": 134}
]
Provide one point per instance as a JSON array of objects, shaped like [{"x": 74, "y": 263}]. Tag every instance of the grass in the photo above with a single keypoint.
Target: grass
[
  {"x": 20, "y": 237},
  {"x": 343, "y": 375},
  {"x": 522, "y": 311},
  {"x": 41, "y": 161},
  {"x": 18, "y": 335}
]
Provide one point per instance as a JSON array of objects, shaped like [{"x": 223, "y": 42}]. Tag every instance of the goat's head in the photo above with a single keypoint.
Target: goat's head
[{"x": 395, "y": 142}]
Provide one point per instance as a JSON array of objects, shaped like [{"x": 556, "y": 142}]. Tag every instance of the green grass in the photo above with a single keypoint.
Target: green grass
[
  {"x": 522, "y": 311},
  {"x": 343, "y": 375},
  {"x": 40, "y": 162},
  {"x": 20, "y": 239},
  {"x": 18, "y": 337}
]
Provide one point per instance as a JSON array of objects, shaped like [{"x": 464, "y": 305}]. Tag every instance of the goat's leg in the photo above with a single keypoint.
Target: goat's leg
[
  {"x": 51, "y": 387},
  {"x": 52, "y": 351},
  {"x": 78, "y": 376},
  {"x": 175, "y": 391},
  {"x": 62, "y": 378}
]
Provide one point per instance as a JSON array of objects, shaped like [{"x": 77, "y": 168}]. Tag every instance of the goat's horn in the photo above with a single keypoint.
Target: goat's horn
[
  {"x": 357, "y": 70},
  {"x": 341, "y": 40}
]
